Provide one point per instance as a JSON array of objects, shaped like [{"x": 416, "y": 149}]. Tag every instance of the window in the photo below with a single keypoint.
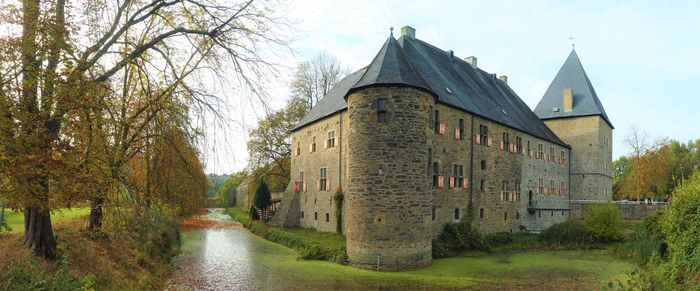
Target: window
[
  {"x": 540, "y": 151},
  {"x": 322, "y": 181},
  {"x": 456, "y": 213},
  {"x": 313, "y": 144},
  {"x": 437, "y": 121},
  {"x": 517, "y": 215},
  {"x": 302, "y": 214},
  {"x": 540, "y": 186},
  {"x": 483, "y": 164},
  {"x": 529, "y": 153},
  {"x": 331, "y": 139},
  {"x": 481, "y": 213},
  {"x": 563, "y": 188},
  {"x": 328, "y": 217},
  {"x": 505, "y": 144},
  {"x": 505, "y": 215},
  {"x": 431, "y": 117},
  {"x": 562, "y": 157},
  {"x": 458, "y": 173},
  {"x": 434, "y": 214},
  {"x": 551, "y": 154},
  {"x": 483, "y": 134},
  {"x": 315, "y": 215},
  {"x": 430, "y": 160},
  {"x": 461, "y": 128},
  {"x": 436, "y": 173},
  {"x": 382, "y": 114},
  {"x": 518, "y": 145},
  {"x": 298, "y": 150},
  {"x": 481, "y": 185},
  {"x": 551, "y": 187},
  {"x": 516, "y": 195},
  {"x": 301, "y": 181}
]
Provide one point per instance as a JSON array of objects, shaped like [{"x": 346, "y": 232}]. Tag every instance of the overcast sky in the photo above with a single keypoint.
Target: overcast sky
[{"x": 643, "y": 57}]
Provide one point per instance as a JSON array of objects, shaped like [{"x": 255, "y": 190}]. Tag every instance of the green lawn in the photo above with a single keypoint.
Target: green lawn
[{"x": 16, "y": 219}]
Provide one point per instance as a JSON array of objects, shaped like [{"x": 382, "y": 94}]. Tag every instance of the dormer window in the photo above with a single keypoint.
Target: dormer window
[{"x": 382, "y": 114}]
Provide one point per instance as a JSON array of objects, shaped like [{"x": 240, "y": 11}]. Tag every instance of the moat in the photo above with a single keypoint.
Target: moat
[{"x": 225, "y": 255}]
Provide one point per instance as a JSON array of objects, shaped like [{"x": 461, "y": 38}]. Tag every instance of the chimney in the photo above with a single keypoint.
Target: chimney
[
  {"x": 408, "y": 31},
  {"x": 504, "y": 78},
  {"x": 568, "y": 99},
  {"x": 472, "y": 61}
]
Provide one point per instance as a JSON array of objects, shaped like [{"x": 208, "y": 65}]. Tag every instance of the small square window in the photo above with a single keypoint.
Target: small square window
[
  {"x": 302, "y": 214},
  {"x": 456, "y": 213},
  {"x": 315, "y": 215},
  {"x": 328, "y": 217},
  {"x": 483, "y": 164},
  {"x": 481, "y": 213}
]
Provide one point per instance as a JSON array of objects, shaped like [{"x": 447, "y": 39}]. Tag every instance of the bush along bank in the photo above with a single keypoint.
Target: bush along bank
[{"x": 310, "y": 244}]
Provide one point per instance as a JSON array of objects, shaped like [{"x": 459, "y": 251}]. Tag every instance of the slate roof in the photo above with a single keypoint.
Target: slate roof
[
  {"x": 586, "y": 101},
  {"x": 456, "y": 83}
]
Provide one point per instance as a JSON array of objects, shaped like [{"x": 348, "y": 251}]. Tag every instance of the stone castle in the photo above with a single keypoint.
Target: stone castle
[{"x": 421, "y": 138}]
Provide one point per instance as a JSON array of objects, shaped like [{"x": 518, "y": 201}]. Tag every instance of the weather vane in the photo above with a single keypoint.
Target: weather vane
[
  {"x": 391, "y": 29},
  {"x": 573, "y": 44}
]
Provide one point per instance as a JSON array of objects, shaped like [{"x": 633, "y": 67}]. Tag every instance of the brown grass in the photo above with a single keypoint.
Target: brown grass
[
  {"x": 193, "y": 223},
  {"x": 114, "y": 261}
]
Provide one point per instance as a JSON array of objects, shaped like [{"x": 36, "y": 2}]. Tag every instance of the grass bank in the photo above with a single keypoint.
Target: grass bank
[
  {"x": 83, "y": 263},
  {"x": 309, "y": 243}
]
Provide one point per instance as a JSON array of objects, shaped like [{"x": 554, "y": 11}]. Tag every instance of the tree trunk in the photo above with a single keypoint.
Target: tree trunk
[
  {"x": 95, "y": 218},
  {"x": 38, "y": 233}
]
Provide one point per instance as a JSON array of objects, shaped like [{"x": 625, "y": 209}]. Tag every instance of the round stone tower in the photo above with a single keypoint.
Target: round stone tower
[{"x": 388, "y": 198}]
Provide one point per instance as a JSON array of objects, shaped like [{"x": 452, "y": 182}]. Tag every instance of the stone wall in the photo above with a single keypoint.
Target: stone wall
[
  {"x": 491, "y": 212},
  {"x": 627, "y": 211},
  {"x": 388, "y": 200},
  {"x": 316, "y": 208},
  {"x": 590, "y": 138},
  {"x": 451, "y": 202}
]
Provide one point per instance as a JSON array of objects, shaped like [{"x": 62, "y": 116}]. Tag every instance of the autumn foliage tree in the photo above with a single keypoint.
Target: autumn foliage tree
[{"x": 85, "y": 87}]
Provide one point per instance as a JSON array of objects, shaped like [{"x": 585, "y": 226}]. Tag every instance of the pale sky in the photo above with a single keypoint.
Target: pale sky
[{"x": 643, "y": 57}]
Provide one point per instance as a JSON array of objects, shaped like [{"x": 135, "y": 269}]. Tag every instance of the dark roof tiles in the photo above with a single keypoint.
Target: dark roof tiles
[{"x": 456, "y": 83}]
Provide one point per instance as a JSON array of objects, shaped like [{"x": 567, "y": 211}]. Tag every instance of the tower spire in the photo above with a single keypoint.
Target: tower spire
[{"x": 573, "y": 44}]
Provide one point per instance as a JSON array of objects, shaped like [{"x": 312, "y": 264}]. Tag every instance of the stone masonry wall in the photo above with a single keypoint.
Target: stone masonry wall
[
  {"x": 590, "y": 138},
  {"x": 315, "y": 208},
  {"x": 491, "y": 212},
  {"x": 388, "y": 202},
  {"x": 451, "y": 202}
]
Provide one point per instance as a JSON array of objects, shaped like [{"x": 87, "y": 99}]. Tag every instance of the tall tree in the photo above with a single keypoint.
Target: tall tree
[
  {"x": 147, "y": 54},
  {"x": 314, "y": 78}
]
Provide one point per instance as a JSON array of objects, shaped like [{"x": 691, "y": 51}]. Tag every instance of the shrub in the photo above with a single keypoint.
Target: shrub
[
  {"x": 603, "y": 222},
  {"x": 458, "y": 237},
  {"x": 499, "y": 238},
  {"x": 648, "y": 240},
  {"x": 566, "y": 234},
  {"x": 681, "y": 224},
  {"x": 28, "y": 275}
]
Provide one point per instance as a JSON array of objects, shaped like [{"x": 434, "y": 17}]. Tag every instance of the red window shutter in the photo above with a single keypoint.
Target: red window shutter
[
  {"x": 296, "y": 186},
  {"x": 441, "y": 182},
  {"x": 477, "y": 138},
  {"x": 442, "y": 129},
  {"x": 503, "y": 143},
  {"x": 318, "y": 185},
  {"x": 452, "y": 182},
  {"x": 490, "y": 141},
  {"x": 328, "y": 184},
  {"x": 457, "y": 135},
  {"x": 304, "y": 187},
  {"x": 465, "y": 183}
]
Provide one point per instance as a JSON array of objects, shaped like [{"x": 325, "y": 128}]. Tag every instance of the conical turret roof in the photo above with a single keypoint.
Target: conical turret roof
[
  {"x": 391, "y": 67},
  {"x": 585, "y": 100}
]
